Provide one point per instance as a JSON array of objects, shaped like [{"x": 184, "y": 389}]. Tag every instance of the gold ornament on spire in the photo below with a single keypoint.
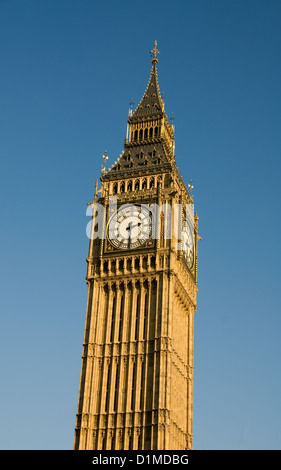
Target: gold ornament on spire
[
  {"x": 154, "y": 53},
  {"x": 105, "y": 157}
]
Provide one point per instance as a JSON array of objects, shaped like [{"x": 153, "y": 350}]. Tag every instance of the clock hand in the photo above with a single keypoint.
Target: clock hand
[{"x": 130, "y": 226}]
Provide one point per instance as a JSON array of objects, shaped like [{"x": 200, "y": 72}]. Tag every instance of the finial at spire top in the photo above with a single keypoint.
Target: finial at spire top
[{"x": 154, "y": 53}]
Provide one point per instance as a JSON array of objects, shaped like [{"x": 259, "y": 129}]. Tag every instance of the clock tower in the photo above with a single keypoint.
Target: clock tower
[{"x": 136, "y": 384}]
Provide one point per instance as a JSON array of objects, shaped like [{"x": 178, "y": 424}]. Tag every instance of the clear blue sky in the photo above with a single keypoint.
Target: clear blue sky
[{"x": 68, "y": 71}]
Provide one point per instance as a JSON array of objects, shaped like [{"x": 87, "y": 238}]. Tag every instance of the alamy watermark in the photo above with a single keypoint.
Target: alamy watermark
[{"x": 129, "y": 225}]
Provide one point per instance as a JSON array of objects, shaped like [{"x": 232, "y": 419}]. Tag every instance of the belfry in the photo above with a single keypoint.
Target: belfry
[{"x": 136, "y": 384}]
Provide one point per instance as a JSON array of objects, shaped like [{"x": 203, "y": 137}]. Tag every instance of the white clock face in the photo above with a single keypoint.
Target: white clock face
[
  {"x": 187, "y": 245},
  {"x": 130, "y": 227}
]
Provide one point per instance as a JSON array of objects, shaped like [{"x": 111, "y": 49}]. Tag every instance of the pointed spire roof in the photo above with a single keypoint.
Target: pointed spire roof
[
  {"x": 148, "y": 148},
  {"x": 152, "y": 103}
]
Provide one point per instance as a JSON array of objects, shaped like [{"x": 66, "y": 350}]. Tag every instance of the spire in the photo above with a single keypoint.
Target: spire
[
  {"x": 149, "y": 143},
  {"x": 152, "y": 103}
]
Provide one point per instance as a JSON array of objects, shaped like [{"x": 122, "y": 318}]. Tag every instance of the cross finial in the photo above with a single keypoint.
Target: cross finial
[
  {"x": 154, "y": 53},
  {"x": 190, "y": 186}
]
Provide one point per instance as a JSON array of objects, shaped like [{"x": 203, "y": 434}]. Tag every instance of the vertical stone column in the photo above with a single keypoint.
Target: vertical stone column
[
  {"x": 118, "y": 296},
  {"x": 133, "y": 315},
  {"x": 124, "y": 347},
  {"x": 106, "y": 369},
  {"x": 87, "y": 365},
  {"x": 190, "y": 378},
  {"x": 141, "y": 312},
  {"x": 100, "y": 337},
  {"x": 108, "y": 318},
  {"x": 129, "y": 437},
  {"x": 155, "y": 363},
  {"x": 101, "y": 314}
]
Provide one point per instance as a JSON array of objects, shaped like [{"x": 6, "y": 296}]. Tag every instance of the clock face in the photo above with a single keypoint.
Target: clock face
[
  {"x": 130, "y": 227},
  {"x": 187, "y": 245}
]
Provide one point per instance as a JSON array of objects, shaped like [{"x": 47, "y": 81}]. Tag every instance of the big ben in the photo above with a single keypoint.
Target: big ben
[{"x": 136, "y": 384}]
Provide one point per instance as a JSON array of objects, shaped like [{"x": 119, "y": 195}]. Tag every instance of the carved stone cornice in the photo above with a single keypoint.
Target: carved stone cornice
[{"x": 129, "y": 348}]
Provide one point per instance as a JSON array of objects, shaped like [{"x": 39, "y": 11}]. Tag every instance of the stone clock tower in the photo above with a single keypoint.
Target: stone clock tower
[{"x": 136, "y": 385}]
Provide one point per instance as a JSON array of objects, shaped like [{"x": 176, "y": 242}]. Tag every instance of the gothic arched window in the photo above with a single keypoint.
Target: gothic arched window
[{"x": 113, "y": 266}]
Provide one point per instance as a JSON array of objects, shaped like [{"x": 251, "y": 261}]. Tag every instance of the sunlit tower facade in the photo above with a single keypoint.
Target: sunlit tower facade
[{"x": 136, "y": 384}]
